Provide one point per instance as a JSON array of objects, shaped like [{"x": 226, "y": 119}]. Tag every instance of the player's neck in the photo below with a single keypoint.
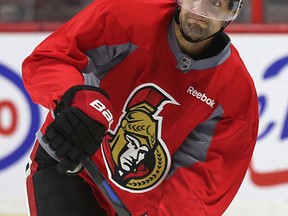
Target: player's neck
[{"x": 191, "y": 49}]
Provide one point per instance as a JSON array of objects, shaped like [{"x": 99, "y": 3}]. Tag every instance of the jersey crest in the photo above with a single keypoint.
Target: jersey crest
[{"x": 135, "y": 155}]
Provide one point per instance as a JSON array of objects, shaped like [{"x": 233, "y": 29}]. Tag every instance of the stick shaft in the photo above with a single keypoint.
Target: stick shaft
[{"x": 105, "y": 188}]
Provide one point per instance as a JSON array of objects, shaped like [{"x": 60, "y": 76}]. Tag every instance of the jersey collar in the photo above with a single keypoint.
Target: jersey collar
[{"x": 185, "y": 63}]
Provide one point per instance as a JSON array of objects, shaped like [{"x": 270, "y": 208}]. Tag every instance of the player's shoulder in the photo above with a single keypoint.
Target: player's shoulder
[
  {"x": 140, "y": 9},
  {"x": 235, "y": 61},
  {"x": 145, "y": 3},
  {"x": 238, "y": 74}
]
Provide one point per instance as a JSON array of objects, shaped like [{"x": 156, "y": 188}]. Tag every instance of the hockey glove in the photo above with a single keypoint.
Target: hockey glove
[{"x": 81, "y": 119}]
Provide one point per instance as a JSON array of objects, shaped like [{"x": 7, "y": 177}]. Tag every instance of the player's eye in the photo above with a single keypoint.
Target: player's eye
[{"x": 215, "y": 3}]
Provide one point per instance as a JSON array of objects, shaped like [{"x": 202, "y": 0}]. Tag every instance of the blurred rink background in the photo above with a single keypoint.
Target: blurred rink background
[{"x": 261, "y": 36}]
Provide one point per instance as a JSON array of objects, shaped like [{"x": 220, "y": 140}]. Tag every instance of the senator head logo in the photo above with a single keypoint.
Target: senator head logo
[{"x": 136, "y": 157}]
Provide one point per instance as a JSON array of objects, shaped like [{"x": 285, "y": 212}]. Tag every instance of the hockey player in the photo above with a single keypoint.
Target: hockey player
[{"x": 157, "y": 95}]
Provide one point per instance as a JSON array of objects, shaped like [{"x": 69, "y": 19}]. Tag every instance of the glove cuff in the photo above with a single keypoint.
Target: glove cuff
[
  {"x": 95, "y": 105},
  {"x": 91, "y": 100}
]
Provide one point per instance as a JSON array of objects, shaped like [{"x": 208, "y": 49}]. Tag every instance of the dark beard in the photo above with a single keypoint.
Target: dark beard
[{"x": 194, "y": 31}]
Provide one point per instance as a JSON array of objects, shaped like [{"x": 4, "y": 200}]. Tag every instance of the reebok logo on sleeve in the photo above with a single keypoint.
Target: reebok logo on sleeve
[{"x": 201, "y": 96}]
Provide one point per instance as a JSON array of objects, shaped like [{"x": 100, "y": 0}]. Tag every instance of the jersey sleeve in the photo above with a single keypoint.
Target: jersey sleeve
[
  {"x": 58, "y": 62},
  {"x": 207, "y": 185}
]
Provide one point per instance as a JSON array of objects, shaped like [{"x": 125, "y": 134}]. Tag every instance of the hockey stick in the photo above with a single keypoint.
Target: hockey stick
[
  {"x": 95, "y": 175},
  {"x": 103, "y": 185}
]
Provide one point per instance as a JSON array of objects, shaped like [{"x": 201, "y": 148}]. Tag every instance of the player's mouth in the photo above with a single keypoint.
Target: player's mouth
[{"x": 198, "y": 19}]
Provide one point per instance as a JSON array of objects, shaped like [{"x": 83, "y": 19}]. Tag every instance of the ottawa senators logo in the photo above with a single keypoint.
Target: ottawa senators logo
[{"x": 136, "y": 157}]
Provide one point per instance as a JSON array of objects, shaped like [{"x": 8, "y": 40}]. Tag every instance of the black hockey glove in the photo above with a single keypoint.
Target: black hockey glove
[{"x": 81, "y": 119}]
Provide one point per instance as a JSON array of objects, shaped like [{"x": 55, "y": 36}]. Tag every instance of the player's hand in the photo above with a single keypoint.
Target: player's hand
[{"x": 81, "y": 120}]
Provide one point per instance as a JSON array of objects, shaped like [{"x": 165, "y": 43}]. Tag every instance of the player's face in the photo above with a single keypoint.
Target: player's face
[
  {"x": 198, "y": 27},
  {"x": 222, "y": 10}
]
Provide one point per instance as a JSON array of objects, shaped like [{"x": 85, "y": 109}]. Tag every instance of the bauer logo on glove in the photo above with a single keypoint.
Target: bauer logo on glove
[
  {"x": 98, "y": 105},
  {"x": 82, "y": 118}
]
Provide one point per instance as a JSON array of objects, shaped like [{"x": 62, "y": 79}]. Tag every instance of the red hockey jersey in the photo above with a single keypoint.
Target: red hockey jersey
[{"x": 184, "y": 130}]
